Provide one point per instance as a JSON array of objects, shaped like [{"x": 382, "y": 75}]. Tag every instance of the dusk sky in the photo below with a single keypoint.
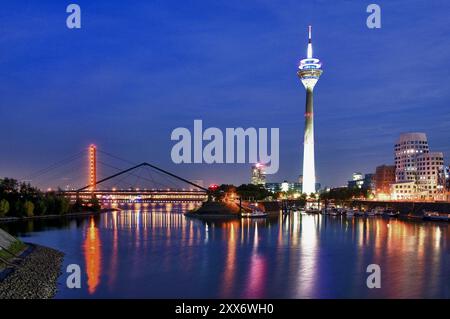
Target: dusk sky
[{"x": 137, "y": 70}]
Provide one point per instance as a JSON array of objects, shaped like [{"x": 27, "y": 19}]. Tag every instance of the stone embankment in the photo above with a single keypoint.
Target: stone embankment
[{"x": 32, "y": 274}]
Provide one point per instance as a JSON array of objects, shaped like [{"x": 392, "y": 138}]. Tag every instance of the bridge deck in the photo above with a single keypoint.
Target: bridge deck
[{"x": 139, "y": 196}]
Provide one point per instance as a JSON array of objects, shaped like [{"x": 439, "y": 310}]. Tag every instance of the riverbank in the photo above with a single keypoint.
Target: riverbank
[
  {"x": 15, "y": 219},
  {"x": 34, "y": 277},
  {"x": 407, "y": 209},
  {"x": 27, "y": 271}
]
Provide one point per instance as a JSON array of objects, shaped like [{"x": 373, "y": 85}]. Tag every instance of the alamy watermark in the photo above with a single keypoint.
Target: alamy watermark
[
  {"x": 226, "y": 147},
  {"x": 374, "y": 279},
  {"x": 73, "y": 280},
  {"x": 374, "y": 19},
  {"x": 73, "y": 21}
]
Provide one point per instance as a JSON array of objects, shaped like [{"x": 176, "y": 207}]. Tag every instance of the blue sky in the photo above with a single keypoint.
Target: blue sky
[{"x": 137, "y": 70}]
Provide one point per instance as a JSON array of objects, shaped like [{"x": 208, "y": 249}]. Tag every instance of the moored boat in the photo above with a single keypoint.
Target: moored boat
[
  {"x": 391, "y": 213},
  {"x": 436, "y": 216},
  {"x": 350, "y": 213},
  {"x": 254, "y": 213},
  {"x": 378, "y": 211},
  {"x": 371, "y": 212},
  {"x": 334, "y": 212},
  {"x": 359, "y": 212}
]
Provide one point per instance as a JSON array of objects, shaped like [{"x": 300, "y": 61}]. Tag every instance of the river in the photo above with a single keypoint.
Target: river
[{"x": 157, "y": 252}]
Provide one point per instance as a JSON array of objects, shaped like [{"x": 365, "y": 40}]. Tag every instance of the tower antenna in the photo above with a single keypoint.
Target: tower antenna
[{"x": 309, "y": 53}]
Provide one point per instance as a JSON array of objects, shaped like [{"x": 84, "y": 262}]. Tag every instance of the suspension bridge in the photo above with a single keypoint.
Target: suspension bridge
[{"x": 132, "y": 184}]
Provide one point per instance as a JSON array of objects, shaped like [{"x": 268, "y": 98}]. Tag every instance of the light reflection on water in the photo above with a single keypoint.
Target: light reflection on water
[
  {"x": 93, "y": 256},
  {"x": 158, "y": 252}
]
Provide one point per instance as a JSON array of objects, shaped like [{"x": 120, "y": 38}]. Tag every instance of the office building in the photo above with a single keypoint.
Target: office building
[{"x": 258, "y": 174}]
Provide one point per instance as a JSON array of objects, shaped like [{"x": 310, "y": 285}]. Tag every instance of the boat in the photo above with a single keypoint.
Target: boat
[
  {"x": 294, "y": 209},
  {"x": 436, "y": 216},
  {"x": 391, "y": 213},
  {"x": 359, "y": 212},
  {"x": 254, "y": 213},
  {"x": 334, "y": 212},
  {"x": 378, "y": 211},
  {"x": 331, "y": 210},
  {"x": 312, "y": 211},
  {"x": 371, "y": 212},
  {"x": 350, "y": 213}
]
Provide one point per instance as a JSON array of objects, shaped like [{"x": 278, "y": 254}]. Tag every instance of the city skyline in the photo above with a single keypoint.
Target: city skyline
[
  {"x": 182, "y": 153},
  {"x": 70, "y": 99}
]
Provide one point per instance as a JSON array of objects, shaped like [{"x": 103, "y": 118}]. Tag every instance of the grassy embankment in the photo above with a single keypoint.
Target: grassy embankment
[
  {"x": 11, "y": 244},
  {"x": 15, "y": 248}
]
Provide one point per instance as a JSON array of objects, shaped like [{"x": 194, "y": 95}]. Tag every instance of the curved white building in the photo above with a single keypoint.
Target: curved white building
[
  {"x": 407, "y": 148},
  {"x": 419, "y": 173}
]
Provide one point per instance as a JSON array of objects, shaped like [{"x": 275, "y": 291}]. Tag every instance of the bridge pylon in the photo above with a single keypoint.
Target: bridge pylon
[{"x": 92, "y": 182}]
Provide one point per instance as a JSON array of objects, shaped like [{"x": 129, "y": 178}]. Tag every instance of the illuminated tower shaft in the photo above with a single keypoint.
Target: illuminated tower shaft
[
  {"x": 309, "y": 168},
  {"x": 92, "y": 167},
  {"x": 309, "y": 73}
]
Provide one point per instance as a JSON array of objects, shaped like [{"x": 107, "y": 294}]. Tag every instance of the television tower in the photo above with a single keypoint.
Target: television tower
[{"x": 309, "y": 72}]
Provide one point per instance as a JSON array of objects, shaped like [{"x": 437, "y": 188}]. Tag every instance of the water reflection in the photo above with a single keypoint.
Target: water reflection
[
  {"x": 308, "y": 251},
  {"x": 230, "y": 262},
  {"x": 156, "y": 251},
  {"x": 257, "y": 270},
  {"x": 114, "y": 254},
  {"x": 92, "y": 256}
]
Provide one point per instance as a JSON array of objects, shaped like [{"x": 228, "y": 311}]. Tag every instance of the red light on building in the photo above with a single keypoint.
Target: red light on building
[
  {"x": 213, "y": 187},
  {"x": 92, "y": 167}
]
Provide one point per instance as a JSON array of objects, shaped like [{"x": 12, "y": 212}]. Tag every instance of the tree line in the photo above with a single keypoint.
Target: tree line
[
  {"x": 252, "y": 192},
  {"x": 19, "y": 199},
  {"x": 341, "y": 195}
]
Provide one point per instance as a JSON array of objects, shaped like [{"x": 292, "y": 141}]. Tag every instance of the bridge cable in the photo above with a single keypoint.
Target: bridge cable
[
  {"x": 157, "y": 170},
  {"x": 149, "y": 165},
  {"x": 53, "y": 166},
  {"x": 130, "y": 173},
  {"x": 56, "y": 176}
]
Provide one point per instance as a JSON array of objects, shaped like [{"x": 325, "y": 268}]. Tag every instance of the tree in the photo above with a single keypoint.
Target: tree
[
  {"x": 252, "y": 192},
  {"x": 50, "y": 203},
  {"x": 4, "y": 207},
  {"x": 94, "y": 204},
  {"x": 291, "y": 193},
  {"x": 28, "y": 209},
  {"x": 303, "y": 197},
  {"x": 8, "y": 185},
  {"x": 62, "y": 205},
  {"x": 221, "y": 192},
  {"x": 40, "y": 207},
  {"x": 78, "y": 205},
  {"x": 344, "y": 194}
]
